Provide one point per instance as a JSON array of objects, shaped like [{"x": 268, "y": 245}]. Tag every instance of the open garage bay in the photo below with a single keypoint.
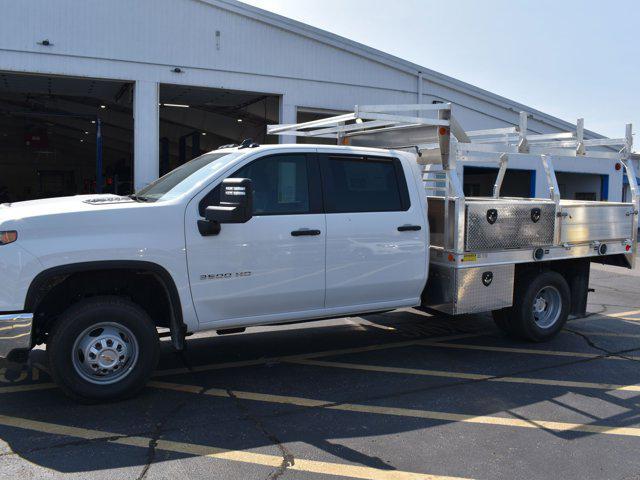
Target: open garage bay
[
  {"x": 57, "y": 133},
  {"x": 63, "y": 136}
]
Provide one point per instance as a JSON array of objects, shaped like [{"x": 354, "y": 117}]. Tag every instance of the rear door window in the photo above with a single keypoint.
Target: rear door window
[{"x": 363, "y": 184}]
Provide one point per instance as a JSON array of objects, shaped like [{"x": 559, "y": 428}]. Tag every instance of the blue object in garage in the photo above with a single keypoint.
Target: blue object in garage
[
  {"x": 532, "y": 184},
  {"x": 604, "y": 187},
  {"x": 99, "y": 177}
]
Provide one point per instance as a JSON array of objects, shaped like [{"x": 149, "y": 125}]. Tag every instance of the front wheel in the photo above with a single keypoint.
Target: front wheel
[
  {"x": 540, "y": 308},
  {"x": 103, "y": 349}
]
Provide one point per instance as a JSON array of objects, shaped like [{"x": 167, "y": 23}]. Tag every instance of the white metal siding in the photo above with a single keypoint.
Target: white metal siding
[{"x": 182, "y": 33}]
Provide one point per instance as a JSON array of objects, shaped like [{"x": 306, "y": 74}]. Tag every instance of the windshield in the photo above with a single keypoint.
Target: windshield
[{"x": 184, "y": 178}]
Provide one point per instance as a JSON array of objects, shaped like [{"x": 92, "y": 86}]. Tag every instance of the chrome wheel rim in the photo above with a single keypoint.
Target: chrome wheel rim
[
  {"x": 105, "y": 353},
  {"x": 547, "y": 306}
]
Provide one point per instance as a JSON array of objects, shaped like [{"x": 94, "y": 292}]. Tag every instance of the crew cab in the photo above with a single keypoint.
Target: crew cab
[{"x": 236, "y": 237}]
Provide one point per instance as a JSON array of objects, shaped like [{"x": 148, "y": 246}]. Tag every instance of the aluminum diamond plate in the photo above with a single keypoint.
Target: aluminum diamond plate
[
  {"x": 513, "y": 226},
  {"x": 465, "y": 290}
]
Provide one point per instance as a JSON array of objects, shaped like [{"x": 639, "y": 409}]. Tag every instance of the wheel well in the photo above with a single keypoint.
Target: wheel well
[
  {"x": 145, "y": 284},
  {"x": 575, "y": 272}
]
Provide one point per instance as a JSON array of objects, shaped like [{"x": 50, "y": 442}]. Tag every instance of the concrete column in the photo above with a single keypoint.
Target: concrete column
[
  {"x": 146, "y": 133},
  {"x": 288, "y": 114}
]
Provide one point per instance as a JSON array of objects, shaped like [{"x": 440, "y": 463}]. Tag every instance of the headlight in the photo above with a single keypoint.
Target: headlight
[{"x": 8, "y": 236}]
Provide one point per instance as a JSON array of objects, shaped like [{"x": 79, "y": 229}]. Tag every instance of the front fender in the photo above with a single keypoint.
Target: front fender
[
  {"x": 42, "y": 283},
  {"x": 18, "y": 268}
]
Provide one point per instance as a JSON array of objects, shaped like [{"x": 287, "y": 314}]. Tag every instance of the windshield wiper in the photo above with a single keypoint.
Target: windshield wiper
[{"x": 138, "y": 198}]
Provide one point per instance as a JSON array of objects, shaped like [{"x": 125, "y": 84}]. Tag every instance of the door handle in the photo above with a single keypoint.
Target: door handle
[
  {"x": 409, "y": 228},
  {"x": 304, "y": 232}
]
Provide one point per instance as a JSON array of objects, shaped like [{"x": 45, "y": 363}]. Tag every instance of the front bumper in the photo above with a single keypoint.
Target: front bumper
[{"x": 15, "y": 333}]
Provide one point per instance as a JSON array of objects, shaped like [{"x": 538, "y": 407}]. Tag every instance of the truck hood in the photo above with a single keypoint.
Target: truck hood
[
  {"x": 54, "y": 206},
  {"x": 48, "y": 207},
  {"x": 88, "y": 228}
]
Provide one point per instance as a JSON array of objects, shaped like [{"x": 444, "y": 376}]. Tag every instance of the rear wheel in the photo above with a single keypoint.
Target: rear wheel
[
  {"x": 102, "y": 349},
  {"x": 540, "y": 307}
]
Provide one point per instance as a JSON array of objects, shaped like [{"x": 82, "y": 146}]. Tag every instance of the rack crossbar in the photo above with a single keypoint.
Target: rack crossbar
[
  {"x": 278, "y": 129},
  {"x": 360, "y": 109},
  {"x": 492, "y": 131}
]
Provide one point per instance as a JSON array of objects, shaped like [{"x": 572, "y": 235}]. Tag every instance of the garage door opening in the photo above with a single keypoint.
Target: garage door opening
[
  {"x": 583, "y": 186},
  {"x": 64, "y": 136},
  {"x": 479, "y": 181},
  {"x": 195, "y": 120}
]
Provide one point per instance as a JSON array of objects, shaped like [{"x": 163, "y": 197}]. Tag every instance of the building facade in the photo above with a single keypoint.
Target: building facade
[{"x": 106, "y": 96}]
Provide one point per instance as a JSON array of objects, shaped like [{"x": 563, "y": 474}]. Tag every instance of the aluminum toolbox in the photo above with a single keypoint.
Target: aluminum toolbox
[
  {"x": 469, "y": 290},
  {"x": 499, "y": 224},
  {"x": 584, "y": 221}
]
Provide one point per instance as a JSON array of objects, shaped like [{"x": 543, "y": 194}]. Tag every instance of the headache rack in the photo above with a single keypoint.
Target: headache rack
[{"x": 470, "y": 233}]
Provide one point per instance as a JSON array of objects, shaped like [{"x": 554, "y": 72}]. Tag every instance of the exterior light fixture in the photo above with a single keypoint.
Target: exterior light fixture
[
  {"x": 9, "y": 236},
  {"x": 175, "y": 105},
  {"x": 103, "y": 106},
  {"x": 239, "y": 120}
]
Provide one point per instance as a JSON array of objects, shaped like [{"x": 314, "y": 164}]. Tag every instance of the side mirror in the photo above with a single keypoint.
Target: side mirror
[{"x": 236, "y": 206}]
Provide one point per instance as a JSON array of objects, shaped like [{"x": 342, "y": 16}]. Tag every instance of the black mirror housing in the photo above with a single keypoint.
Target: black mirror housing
[{"x": 236, "y": 202}]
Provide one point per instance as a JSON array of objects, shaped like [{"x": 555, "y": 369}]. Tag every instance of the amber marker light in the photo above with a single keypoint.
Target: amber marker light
[{"x": 9, "y": 236}]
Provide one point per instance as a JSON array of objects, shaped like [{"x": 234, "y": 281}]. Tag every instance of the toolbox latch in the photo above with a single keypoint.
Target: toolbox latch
[{"x": 535, "y": 215}]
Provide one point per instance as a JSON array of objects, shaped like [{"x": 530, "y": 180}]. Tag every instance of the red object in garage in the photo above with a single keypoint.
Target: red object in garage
[{"x": 36, "y": 138}]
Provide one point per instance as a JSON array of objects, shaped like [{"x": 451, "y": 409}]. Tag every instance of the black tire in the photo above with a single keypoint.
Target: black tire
[
  {"x": 80, "y": 318},
  {"x": 522, "y": 321}
]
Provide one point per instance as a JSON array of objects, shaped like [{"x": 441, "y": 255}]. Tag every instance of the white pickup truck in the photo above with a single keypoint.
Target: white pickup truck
[{"x": 256, "y": 235}]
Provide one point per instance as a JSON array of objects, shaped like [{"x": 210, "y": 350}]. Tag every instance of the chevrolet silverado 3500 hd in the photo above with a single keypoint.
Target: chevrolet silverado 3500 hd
[{"x": 257, "y": 235}]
